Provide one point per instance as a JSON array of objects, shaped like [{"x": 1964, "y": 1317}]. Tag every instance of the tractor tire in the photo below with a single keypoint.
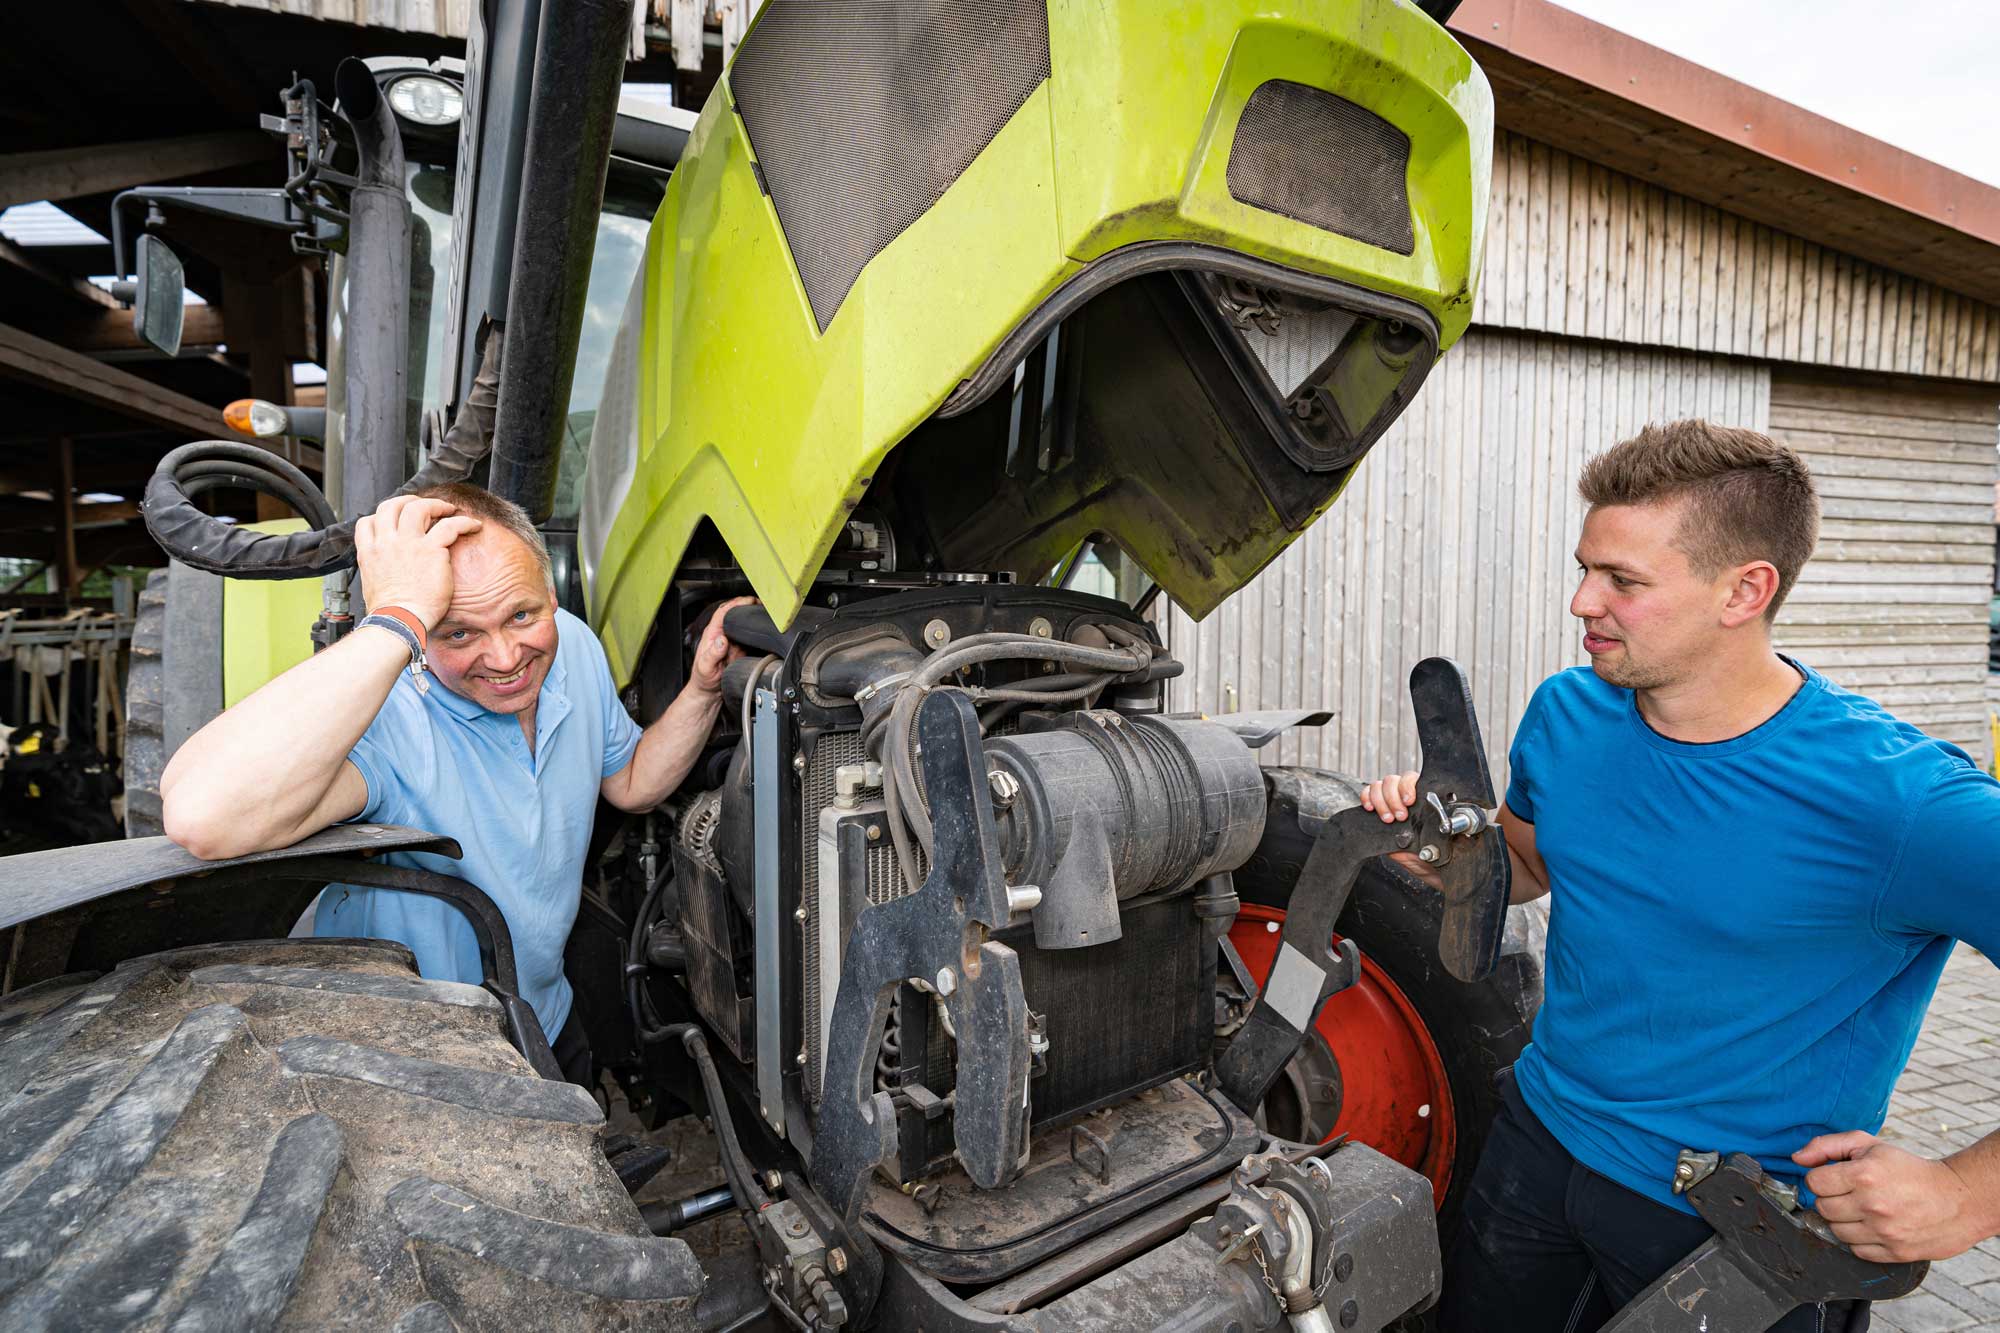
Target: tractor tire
[
  {"x": 304, "y": 1134},
  {"x": 173, "y": 686},
  {"x": 1480, "y": 1027},
  {"x": 1466, "y": 1034}
]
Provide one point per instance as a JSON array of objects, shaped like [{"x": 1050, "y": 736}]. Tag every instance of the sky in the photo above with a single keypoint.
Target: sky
[{"x": 1920, "y": 74}]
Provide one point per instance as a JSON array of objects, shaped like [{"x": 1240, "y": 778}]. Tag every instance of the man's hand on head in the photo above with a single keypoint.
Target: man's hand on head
[
  {"x": 404, "y": 552},
  {"x": 1892, "y": 1206},
  {"x": 715, "y": 651}
]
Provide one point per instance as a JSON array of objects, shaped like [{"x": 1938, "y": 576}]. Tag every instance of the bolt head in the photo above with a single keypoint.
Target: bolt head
[
  {"x": 799, "y": 915},
  {"x": 799, "y": 762},
  {"x": 800, "y": 1059},
  {"x": 836, "y": 1260},
  {"x": 947, "y": 981},
  {"x": 1041, "y": 628},
  {"x": 937, "y": 634},
  {"x": 1427, "y": 853},
  {"x": 874, "y": 833},
  {"x": 772, "y": 1180}
]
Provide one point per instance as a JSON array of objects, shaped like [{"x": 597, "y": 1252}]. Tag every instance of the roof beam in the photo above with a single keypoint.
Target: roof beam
[
  {"x": 26, "y": 262},
  {"x": 42, "y": 516},
  {"x": 70, "y": 173},
  {"x": 37, "y": 360},
  {"x": 57, "y": 369},
  {"x": 112, "y": 331}
]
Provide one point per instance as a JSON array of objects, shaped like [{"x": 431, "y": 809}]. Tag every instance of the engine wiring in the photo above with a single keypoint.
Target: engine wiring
[{"x": 1093, "y": 669}]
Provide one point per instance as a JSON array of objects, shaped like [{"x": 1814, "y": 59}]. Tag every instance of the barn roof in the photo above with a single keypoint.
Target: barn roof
[{"x": 1594, "y": 91}]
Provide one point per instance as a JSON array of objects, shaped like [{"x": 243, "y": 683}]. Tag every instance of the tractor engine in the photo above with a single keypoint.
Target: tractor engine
[{"x": 1114, "y": 828}]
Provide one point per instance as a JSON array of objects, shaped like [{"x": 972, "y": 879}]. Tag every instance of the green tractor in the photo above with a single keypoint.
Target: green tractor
[{"x": 1014, "y": 999}]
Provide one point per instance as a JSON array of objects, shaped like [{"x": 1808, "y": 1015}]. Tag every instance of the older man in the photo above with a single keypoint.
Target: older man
[{"x": 466, "y": 703}]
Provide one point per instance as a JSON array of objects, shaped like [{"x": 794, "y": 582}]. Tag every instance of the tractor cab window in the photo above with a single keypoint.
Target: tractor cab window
[{"x": 621, "y": 248}]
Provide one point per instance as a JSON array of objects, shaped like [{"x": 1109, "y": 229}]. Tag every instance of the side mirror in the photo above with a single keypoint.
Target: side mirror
[{"x": 159, "y": 296}]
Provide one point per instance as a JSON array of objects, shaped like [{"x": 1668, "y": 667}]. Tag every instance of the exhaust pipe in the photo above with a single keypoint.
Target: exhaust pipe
[
  {"x": 579, "y": 64},
  {"x": 377, "y": 338}
]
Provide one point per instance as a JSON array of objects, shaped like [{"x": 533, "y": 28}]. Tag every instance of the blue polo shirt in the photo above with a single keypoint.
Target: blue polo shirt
[
  {"x": 1744, "y": 935},
  {"x": 436, "y": 761}
]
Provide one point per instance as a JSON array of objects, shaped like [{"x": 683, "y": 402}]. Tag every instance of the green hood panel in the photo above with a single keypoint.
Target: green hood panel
[{"x": 774, "y": 405}]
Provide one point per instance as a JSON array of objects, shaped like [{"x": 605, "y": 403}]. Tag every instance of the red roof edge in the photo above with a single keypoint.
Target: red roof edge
[{"x": 1569, "y": 44}]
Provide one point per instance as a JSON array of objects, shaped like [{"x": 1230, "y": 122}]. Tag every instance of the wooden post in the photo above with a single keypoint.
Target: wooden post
[
  {"x": 70, "y": 577},
  {"x": 262, "y": 316}
]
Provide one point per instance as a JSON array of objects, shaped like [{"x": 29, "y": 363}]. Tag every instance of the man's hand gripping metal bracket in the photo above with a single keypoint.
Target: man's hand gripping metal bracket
[
  {"x": 1450, "y": 831},
  {"x": 1768, "y": 1257}
]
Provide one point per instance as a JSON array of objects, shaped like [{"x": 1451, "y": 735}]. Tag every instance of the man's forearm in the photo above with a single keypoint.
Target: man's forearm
[
  {"x": 252, "y": 777},
  {"x": 1528, "y": 884},
  {"x": 667, "y": 750}
]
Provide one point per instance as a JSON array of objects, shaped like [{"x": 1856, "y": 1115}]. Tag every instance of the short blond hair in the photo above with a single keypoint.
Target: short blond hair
[
  {"x": 1749, "y": 497},
  {"x": 482, "y": 504}
]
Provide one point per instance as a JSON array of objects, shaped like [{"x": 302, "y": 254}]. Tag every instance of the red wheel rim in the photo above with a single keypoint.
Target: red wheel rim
[{"x": 1394, "y": 1094}]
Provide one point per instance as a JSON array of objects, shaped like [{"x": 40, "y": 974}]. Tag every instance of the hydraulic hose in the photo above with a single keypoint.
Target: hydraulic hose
[{"x": 205, "y": 542}]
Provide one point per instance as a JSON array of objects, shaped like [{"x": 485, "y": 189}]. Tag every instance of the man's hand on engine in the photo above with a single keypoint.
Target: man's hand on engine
[
  {"x": 404, "y": 553},
  {"x": 715, "y": 650},
  {"x": 1392, "y": 798}
]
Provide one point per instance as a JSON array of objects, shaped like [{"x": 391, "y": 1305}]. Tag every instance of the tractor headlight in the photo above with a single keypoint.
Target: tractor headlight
[{"x": 427, "y": 100}]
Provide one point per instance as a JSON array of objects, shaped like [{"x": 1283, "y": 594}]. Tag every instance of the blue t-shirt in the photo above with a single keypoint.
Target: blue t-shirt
[
  {"x": 436, "y": 761},
  {"x": 1744, "y": 935}
]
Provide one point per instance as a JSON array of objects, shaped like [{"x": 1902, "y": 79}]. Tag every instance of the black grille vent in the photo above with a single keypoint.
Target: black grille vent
[
  {"x": 1322, "y": 160},
  {"x": 862, "y": 114}
]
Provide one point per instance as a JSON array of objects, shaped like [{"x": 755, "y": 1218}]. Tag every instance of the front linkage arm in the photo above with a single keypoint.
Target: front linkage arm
[
  {"x": 1768, "y": 1257},
  {"x": 938, "y": 936},
  {"x": 1450, "y": 830}
]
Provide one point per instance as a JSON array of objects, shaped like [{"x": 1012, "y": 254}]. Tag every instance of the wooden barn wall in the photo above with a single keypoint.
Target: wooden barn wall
[
  {"x": 1455, "y": 537},
  {"x": 1578, "y": 249},
  {"x": 1894, "y": 604}
]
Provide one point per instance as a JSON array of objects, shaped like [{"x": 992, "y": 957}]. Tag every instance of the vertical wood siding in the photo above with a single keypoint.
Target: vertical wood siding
[
  {"x": 1578, "y": 249},
  {"x": 1894, "y": 604},
  {"x": 1454, "y": 537}
]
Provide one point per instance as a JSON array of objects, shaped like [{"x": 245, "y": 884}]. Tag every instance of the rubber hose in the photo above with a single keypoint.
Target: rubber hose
[
  {"x": 207, "y": 543},
  {"x": 967, "y": 652}
]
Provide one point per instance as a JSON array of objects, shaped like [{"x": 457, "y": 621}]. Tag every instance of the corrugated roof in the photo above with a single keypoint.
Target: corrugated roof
[{"x": 44, "y": 224}]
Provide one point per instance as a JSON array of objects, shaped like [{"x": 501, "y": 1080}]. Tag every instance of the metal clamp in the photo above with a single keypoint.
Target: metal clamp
[
  {"x": 1768, "y": 1257},
  {"x": 1452, "y": 832}
]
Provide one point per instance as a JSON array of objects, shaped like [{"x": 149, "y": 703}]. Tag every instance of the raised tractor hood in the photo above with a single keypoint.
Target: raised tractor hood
[{"x": 1013, "y": 276}]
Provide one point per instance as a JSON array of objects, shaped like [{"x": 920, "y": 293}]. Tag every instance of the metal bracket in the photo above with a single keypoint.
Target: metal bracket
[
  {"x": 768, "y": 966},
  {"x": 1767, "y": 1258},
  {"x": 1449, "y": 830},
  {"x": 940, "y": 936}
]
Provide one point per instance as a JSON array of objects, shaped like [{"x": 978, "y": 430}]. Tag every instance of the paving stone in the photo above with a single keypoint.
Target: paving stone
[
  {"x": 1947, "y": 1098},
  {"x": 1970, "y": 1269},
  {"x": 1925, "y": 1313},
  {"x": 1961, "y": 1298}
]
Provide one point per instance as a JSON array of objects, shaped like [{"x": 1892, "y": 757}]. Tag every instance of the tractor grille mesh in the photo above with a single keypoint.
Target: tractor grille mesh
[
  {"x": 1322, "y": 160},
  {"x": 862, "y": 115},
  {"x": 885, "y": 882}
]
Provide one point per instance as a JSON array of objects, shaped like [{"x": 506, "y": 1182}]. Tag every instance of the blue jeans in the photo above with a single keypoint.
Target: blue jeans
[{"x": 1546, "y": 1245}]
